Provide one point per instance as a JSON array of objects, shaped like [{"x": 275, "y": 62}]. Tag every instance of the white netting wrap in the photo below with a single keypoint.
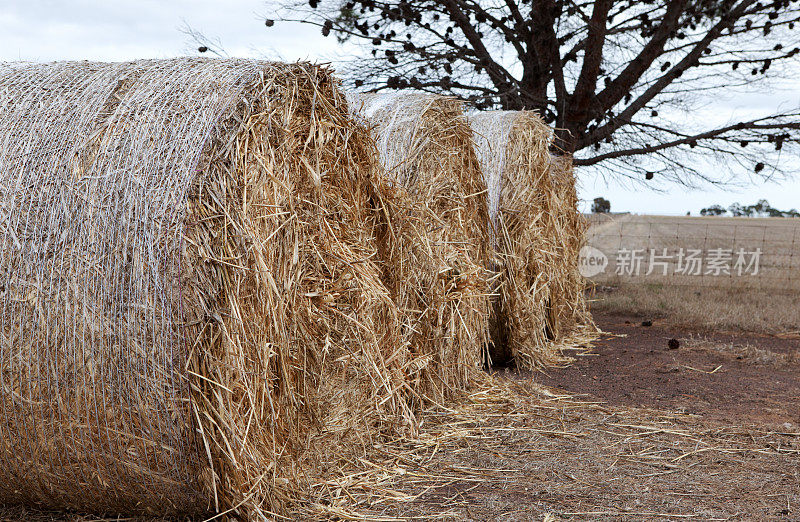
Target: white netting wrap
[
  {"x": 491, "y": 132},
  {"x": 95, "y": 164},
  {"x": 402, "y": 135}
]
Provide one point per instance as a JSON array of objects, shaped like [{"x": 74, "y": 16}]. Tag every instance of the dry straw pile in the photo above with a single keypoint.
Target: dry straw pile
[
  {"x": 192, "y": 318},
  {"x": 536, "y": 235},
  {"x": 436, "y": 251}
]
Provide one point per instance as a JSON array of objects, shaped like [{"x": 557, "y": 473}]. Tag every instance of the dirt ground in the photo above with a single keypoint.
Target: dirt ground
[
  {"x": 633, "y": 430},
  {"x": 730, "y": 377}
]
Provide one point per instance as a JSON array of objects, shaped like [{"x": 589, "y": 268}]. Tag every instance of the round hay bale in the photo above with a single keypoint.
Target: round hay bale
[
  {"x": 192, "y": 318},
  {"x": 513, "y": 150},
  {"x": 435, "y": 253},
  {"x": 572, "y": 309}
]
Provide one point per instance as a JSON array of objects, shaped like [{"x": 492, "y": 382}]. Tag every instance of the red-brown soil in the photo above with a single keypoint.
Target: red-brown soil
[{"x": 757, "y": 377}]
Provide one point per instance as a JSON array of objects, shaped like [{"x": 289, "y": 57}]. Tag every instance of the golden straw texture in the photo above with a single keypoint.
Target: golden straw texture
[
  {"x": 572, "y": 310},
  {"x": 435, "y": 252},
  {"x": 193, "y": 321},
  {"x": 513, "y": 151}
]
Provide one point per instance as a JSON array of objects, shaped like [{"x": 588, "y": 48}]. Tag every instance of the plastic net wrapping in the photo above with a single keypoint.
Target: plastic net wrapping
[
  {"x": 436, "y": 253},
  {"x": 185, "y": 243},
  {"x": 490, "y": 135}
]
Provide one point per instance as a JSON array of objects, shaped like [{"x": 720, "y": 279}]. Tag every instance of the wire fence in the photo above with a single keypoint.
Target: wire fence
[{"x": 697, "y": 251}]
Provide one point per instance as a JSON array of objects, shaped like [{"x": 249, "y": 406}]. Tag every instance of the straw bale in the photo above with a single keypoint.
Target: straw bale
[
  {"x": 192, "y": 316},
  {"x": 513, "y": 150},
  {"x": 435, "y": 252},
  {"x": 572, "y": 309}
]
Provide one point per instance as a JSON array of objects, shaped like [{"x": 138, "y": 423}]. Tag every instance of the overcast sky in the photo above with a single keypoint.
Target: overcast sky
[{"x": 41, "y": 30}]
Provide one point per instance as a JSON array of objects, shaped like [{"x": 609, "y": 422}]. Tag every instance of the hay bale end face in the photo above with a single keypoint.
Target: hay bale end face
[
  {"x": 513, "y": 150},
  {"x": 435, "y": 251},
  {"x": 192, "y": 321}
]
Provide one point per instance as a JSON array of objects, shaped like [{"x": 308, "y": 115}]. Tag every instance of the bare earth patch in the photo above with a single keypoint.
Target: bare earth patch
[
  {"x": 520, "y": 452},
  {"x": 729, "y": 377}
]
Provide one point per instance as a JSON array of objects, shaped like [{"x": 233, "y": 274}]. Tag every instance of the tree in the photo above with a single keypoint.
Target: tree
[
  {"x": 713, "y": 210},
  {"x": 736, "y": 210},
  {"x": 620, "y": 80},
  {"x": 761, "y": 208},
  {"x": 601, "y": 206}
]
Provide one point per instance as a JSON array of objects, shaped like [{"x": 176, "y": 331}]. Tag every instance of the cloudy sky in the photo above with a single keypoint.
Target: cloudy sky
[{"x": 45, "y": 30}]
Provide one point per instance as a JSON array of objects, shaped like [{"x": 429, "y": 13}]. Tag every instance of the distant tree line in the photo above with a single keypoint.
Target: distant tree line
[{"x": 762, "y": 208}]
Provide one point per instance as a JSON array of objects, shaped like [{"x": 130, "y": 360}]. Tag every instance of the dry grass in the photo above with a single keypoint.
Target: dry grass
[
  {"x": 765, "y": 303},
  {"x": 704, "y": 308},
  {"x": 777, "y": 238},
  {"x": 753, "y": 354}
]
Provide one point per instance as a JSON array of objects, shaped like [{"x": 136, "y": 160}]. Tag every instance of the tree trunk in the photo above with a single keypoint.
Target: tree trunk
[{"x": 565, "y": 141}]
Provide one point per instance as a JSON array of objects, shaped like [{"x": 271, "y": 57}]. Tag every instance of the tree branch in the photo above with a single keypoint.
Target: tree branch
[
  {"x": 499, "y": 76},
  {"x": 624, "y": 82},
  {"x": 716, "y": 133},
  {"x": 593, "y": 57},
  {"x": 659, "y": 85}
]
